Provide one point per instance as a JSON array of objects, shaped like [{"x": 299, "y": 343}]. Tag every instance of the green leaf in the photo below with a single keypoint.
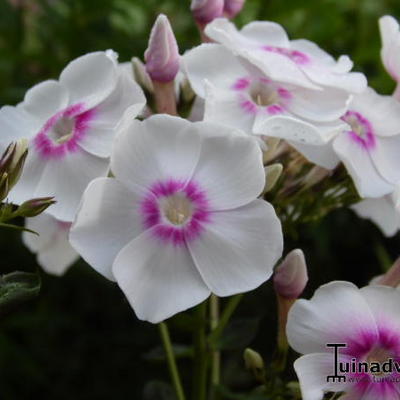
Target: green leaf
[
  {"x": 18, "y": 287},
  {"x": 158, "y": 390}
]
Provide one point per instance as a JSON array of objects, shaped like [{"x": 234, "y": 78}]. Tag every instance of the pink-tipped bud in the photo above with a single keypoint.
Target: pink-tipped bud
[
  {"x": 233, "y": 7},
  {"x": 162, "y": 54},
  {"x": 392, "y": 277},
  {"x": 204, "y": 11},
  {"x": 291, "y": 276}
]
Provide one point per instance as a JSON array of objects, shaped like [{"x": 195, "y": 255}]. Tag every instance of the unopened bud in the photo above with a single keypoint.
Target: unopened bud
[
  {"x": 253, "y": 360},
  {"x": 34, "y": 207},
  {"x": 233, "y": 7},
  {"x": 316, "y": 175},
  {"x": 141, "y": 76},
  {"x": 291, "y": 276},
  {"x": 272, "y": 146},
  {"x": 187, "y": 92},
  {"x": 4, "y": 186},
  {"x": 272, "y": 174},
  {"x": 162, "y": 54},
  {"x": 204, "y": 11}
]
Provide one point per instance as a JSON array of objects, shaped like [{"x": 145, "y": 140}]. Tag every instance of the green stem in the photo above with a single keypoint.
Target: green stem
[
  {"x": 173, "y": 369},
  {"x": 225, "y": 317},
  {"x": 200, "y": 359},
  {"x": 216, "y": 355}
]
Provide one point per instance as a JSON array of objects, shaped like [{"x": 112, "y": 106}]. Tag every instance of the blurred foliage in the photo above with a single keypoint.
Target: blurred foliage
[{"x": 80, "y": 339}]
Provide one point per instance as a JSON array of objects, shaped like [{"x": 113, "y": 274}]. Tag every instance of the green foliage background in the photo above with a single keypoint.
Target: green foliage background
[{"x": 80, "y": 339}]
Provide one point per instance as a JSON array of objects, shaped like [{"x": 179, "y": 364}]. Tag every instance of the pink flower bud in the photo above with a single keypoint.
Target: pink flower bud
[
  {"x": 204, "y": 11},
  {"x": 162, "y": 54},
  {"x": 291, "y": 276},
  {"x": 233, "y": 7}
]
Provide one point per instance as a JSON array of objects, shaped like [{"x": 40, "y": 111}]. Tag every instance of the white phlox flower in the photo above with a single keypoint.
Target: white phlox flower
[
  {"x": 301, "y": 62},
  {"x": 51, "y": 246},
  {"x": 383, "y": 212},
  {"x": 70, "y": 124},
  {"x": 366, "y": 321},
  {"x": 241, "y": 95},
  {"x": 369, "y": 147},
  {"x": 181, "y": 219}
]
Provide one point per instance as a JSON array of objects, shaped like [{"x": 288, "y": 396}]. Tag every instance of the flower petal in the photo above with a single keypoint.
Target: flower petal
[
  {"x": 45, "y": 99},
  {"x": 158, "y": 278},
  {"x": 155, "y": 149},
  {"x": 66, "y": 179},
  {"x": 107, "y": 220},
  {"x": 82, "y": 77},
  {"x": 230, "y": 171},
  {"x": 327, "y": 318},
  {"x": 239, "y": 248},
  {"x": 204, "y": 63},
  {"x": 381, "y": 212},
  {"x": 368, "y": 181},
  {"x": 312, "y": 371},
  {"x": 54, "y": 253},
  {"x": 389, "y": 29}
]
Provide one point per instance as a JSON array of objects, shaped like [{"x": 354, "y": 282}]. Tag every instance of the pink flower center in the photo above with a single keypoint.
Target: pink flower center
[
  {"x": 296, "y": 56},
  {"x": 177, "y": 210},
  {"x": 361, "y": 129},
  {"x": 62, "y": 132},
  {"x": 257, "y": 94}
]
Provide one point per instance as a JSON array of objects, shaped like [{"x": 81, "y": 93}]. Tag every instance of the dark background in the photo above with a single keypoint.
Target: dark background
[{"x": 80, "y": 339}]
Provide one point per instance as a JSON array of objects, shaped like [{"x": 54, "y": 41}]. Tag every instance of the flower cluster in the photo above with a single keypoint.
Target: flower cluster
[{"x": 175, "y": 209}]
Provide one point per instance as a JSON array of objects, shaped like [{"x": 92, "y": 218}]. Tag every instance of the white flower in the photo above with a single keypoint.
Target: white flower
[
  {"x": 54, "y": 253},
  {"x": 383, "y": 211},
  {"x": 181, "y": 218},
  {"x": 70, "y": 124},
  {"x": 390, "y": 52},
  {"x": 300, "y": 62},
  {"x": 370, "y": 147},
  {"x": 366, "y": 320},
  {"x": 240, "y": 95}
]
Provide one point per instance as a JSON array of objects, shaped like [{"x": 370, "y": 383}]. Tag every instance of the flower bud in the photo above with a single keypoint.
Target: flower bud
[
  {"x": 162, "y": 54},
  {"x": 34, "y": 207},
  {"x": 391, "y": 277},
  {"x": 233, "y": 7},
  {"x": 253, "y": 360},
  {"x": 204, "y": 11},
  {"x": 4, "y": 186},
  {"x": 291, "y": 276},
  {"x": 272, "y": 174},
  {"x": 141, "y": 76}
]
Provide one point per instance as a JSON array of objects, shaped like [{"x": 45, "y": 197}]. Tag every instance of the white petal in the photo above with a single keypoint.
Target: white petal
[
  {"x": 312, "y": 371},
  {"x": 223, "y": 106},
  {"x": 159, "y": 279},
  {"x": 45, "y": 99},
  {"x": 290, "y": 128},
  {"x": 230, "y": 171},
  {"x": 313, "y": 50},
  {"x": 317, "y": 105},
  {"x": 107, "y": 220},
  {"x": 384, "y": 303},
  {"x": 204, "y": 63},
  {"x": 389, "y": 29},
  {"x": 368, "y": 181},
  {"x": 312, "y": 324},
  {"x": 16, "y": 123},
  {"x": 66, "y": 179},
  {"x": 127, "y": 94},
  {"x": 90, "y": 78},
  {"x": 380, "y": 211},
  {"x": 54, "y": 253},
  {"x": 155, "y": 149},
  {"x": 322, "y": 155},
  {"x": 386, "y": 157},
  {"x": 254, "y": 34},
  {"x": 239, "y": 248}
]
